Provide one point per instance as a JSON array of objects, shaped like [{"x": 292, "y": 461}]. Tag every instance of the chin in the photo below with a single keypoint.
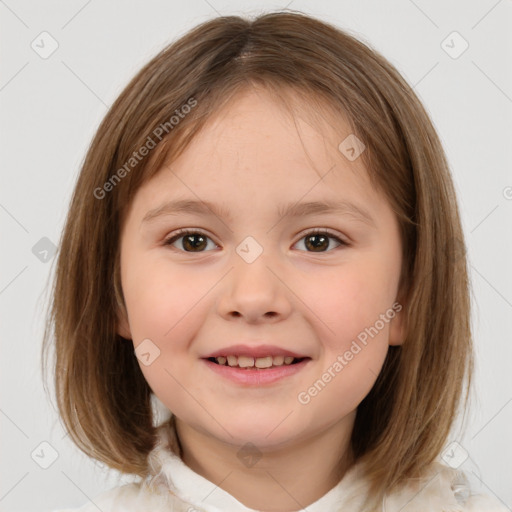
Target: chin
[{"x": 262, "y": 434}]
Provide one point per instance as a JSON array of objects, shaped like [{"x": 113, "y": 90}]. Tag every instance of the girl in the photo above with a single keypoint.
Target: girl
[{"x": 264, "y": 239}]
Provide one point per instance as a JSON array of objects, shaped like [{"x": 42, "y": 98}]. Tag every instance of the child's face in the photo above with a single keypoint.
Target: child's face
[{"x": 203, "y": 294}]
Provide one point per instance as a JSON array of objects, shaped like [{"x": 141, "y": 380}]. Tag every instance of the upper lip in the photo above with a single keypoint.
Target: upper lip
[{"x": 254, "y": 351}]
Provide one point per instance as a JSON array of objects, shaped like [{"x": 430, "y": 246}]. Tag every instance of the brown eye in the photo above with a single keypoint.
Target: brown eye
[
  {"x": 319, "y": 241},
  {"x": 193, "y": 241},
  {"x": 196, "y": 241}
]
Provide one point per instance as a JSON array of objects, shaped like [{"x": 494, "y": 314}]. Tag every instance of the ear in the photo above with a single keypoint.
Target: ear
[
  {"x": 122, "y": 324},
  {"x": 123, "y": 327},
  {"x": 397, "y": 328}
]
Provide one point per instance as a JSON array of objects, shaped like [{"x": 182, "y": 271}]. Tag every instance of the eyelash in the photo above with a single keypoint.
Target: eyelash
[{"x": 322, "y": 231}]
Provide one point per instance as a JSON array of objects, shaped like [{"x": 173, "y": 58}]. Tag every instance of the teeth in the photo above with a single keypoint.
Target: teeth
[
  {"x": 264, "y": 362},
  {"x": 245, "y": 362},
  {"x": 278, "y": 360},
  {"x": 251, "y": 362}
]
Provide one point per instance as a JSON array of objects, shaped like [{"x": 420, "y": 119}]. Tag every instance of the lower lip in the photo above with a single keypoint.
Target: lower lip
[{"x": 257, "y": 377}]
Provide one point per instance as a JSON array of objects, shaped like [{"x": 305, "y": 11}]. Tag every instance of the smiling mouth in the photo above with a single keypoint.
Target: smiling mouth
[{"x": 258, "y": 363}]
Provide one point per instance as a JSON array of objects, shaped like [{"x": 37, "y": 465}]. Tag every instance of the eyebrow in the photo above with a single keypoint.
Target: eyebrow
[{"x": 184, "y": 206}]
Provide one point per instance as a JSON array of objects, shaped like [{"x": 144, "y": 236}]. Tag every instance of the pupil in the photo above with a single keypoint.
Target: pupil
[
  {"x": 322, "y": 239},
  {"x": 188, "y": 240}
]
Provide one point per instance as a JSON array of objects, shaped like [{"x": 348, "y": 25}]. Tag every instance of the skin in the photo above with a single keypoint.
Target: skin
[{"x": 250, "y": 157}]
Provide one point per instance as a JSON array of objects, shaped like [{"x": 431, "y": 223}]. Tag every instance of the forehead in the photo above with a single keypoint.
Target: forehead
[
  {"x": 256, "y": 148},
  {"x": 269, "y": 118},
  {"x": 257, "y": 131}
]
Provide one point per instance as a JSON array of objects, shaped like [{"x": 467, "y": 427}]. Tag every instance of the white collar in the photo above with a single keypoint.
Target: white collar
[
  {"x": 171, "y": 473},
  {"x": 440, "y": 488},
  {"x": 205, "y": 495}
]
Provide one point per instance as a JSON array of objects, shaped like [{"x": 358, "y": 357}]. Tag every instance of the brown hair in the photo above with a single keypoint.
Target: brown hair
[{"x": 102, "y": 396}]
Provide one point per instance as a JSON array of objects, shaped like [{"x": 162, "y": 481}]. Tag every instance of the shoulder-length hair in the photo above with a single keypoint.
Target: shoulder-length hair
[{"x": 403, "y": 423}]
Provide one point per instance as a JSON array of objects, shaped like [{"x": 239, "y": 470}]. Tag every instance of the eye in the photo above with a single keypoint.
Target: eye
[
  {"x": 193, "y": 241},
  {"x": 318, "y": 240}
]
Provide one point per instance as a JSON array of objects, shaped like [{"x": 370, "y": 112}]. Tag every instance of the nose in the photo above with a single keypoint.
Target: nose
[{"x": 255, "y": 292}]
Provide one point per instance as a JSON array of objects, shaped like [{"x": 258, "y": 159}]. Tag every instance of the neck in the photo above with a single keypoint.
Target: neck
[{"x": 281, "y": 478}]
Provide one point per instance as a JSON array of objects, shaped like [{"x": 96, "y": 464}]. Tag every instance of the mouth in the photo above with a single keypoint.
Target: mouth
[
  {"x": 256, "y": 363},
  {"x": 250, "y": 372}
]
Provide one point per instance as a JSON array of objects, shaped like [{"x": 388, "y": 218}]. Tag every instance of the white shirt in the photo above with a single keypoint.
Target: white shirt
[{"x": 177, "y": 488}]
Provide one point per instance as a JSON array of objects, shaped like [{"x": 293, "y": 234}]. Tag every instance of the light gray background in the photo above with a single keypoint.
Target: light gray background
[{"x": 51, "y": 108}]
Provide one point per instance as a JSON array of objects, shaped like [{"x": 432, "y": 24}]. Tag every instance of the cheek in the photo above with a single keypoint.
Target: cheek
[
  {"x": 355, "y": 337},
  {"x": 345, "y": 380},
  {"x": 161, "y": 299},
  {"x": 164, "y": 305},
  {"x": 350, "y": 302},
  {"x": 354, "y": 346}
]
